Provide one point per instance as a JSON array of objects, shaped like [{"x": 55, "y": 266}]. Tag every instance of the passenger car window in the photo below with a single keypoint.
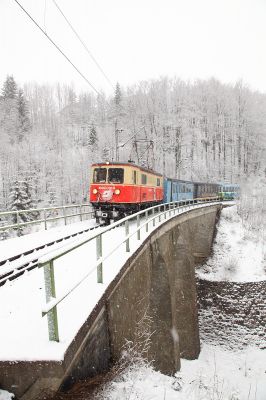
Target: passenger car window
[
  {"x": 116, "y": 175},
  {"x": 99, "y": 175}
]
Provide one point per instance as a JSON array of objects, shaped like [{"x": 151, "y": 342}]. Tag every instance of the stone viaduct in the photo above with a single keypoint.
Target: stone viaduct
[{"x": 158, "y": 281}]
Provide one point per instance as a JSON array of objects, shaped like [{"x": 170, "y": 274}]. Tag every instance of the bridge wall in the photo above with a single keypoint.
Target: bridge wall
[{"x": 153, "y": 296}]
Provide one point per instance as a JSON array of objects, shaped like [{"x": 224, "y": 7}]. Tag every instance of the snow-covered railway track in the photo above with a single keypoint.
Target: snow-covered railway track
[{"x": 16, "y": 265}]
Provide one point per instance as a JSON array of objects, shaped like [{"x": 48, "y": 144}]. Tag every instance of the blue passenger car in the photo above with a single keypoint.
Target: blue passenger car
[
  {"x": 229, "y": 191},
  {"x": 177, "y": 190}
]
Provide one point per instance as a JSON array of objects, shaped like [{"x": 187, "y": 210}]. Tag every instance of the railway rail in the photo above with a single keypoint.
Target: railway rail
[{"x": 16, "y": 265}]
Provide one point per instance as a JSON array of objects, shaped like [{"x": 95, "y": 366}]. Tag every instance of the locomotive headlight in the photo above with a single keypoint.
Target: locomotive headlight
[
  {"x": 94, "y": 191},
  {"x": 117, "y": 191}
]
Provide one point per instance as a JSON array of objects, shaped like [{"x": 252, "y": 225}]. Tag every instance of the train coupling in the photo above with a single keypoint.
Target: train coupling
[{"x": 105, "y": 214}]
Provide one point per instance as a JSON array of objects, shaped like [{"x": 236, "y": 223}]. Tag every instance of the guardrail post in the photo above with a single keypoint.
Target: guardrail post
[
  {"x": 45, "y": 219},
  {"x": 80, "y": 211},
  {"x": 99, "y": 253},
  {"x": 49, "y": 283},
  {"x": 147, "y": 223},
  {"x": 138, "y": 224},
  {"x": 127, "y": 232},
  {"x": 64, "y": 215},
  {"x": 160, "y": 214},
  {"x": 153, "y": 214},
  {"x": 164, "y": 210},
  {"x": 17, "y": 218}
]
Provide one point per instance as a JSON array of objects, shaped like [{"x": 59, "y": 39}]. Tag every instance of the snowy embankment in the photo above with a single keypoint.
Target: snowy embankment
[
  {"x": 238, "y": 255},
  {"x": 220, "y": 373}
]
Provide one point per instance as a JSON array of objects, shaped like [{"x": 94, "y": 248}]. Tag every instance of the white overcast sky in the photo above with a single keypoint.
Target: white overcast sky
[{"x": 136, "y": 40}]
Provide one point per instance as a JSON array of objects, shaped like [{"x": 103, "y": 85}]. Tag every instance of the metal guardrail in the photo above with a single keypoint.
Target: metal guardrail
[
  {"x": 80, "y": 210},
  {"x": 156, "y": 214}
]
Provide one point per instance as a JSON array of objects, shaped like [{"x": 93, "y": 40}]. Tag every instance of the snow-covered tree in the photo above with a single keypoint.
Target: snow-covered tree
[
  {"x": 118, "y": 95},
  {"x": 93, "y": 137},
  {"x": 19, "y": 199},
  {"x": 10, "y": 89},
  {"x": 23, "y": 116}
]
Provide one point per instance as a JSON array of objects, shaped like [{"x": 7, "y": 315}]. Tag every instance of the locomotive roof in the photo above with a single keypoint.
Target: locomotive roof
[{"x": 129, "y": 164}]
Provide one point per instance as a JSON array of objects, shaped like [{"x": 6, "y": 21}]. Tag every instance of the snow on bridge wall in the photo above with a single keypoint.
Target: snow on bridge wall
[{"x": 158, "y": 282}]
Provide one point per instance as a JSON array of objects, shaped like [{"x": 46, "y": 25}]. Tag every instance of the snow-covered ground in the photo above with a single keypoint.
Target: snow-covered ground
[
  {"x": 4, "y": 395},
  {"x": 216, "y": 375}
]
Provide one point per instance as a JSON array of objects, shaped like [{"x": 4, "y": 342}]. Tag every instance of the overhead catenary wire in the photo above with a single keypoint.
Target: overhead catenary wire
[
  {"x": 84, "y": 45},
  {"x": 65, "y": 56},
  {"x": 58, "y": 48}
]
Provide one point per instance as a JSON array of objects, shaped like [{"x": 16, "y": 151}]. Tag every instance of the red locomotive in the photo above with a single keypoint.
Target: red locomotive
[{"x": 118, "y": 189}]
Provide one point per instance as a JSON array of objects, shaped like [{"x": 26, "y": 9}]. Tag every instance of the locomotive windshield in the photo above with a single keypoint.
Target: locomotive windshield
[
  {"x": 99, "y": 175},
  {"x": 116, "y": 175}
]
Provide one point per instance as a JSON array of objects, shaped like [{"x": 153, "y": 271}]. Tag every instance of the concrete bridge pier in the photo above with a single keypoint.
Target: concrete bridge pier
[{"x": 164, "y": 348}]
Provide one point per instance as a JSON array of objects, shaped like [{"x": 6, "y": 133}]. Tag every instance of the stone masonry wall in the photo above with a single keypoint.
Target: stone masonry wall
[{"x": 232, "y": 314}]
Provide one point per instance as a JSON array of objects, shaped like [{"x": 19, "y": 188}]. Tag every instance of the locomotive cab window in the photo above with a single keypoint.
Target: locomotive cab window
[
  {"x": 134, "y": 177},
  {"x": 116, "y": 175},
  {"x": 143, "y": 179},
  {"x": 158, "y": 181},
  {"x": 99, "y": 175}
]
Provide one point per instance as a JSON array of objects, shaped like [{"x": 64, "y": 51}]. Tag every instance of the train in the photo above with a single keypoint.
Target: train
[{"x": 118, "y": 189}]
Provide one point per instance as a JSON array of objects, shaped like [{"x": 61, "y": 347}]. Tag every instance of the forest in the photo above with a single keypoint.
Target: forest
[{"x": 50, "y": 135}]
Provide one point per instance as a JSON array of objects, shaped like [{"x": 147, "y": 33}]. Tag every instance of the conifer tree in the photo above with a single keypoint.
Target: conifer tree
[
  {"x": 19, "y": 199},
  {"x": 23, "y": 116},
  {"x": 9, "y": 90},
  {"x": 15, "y": 120},
  {"x": 118, "y": 95},
  {"x": 93, "y": 137}
]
